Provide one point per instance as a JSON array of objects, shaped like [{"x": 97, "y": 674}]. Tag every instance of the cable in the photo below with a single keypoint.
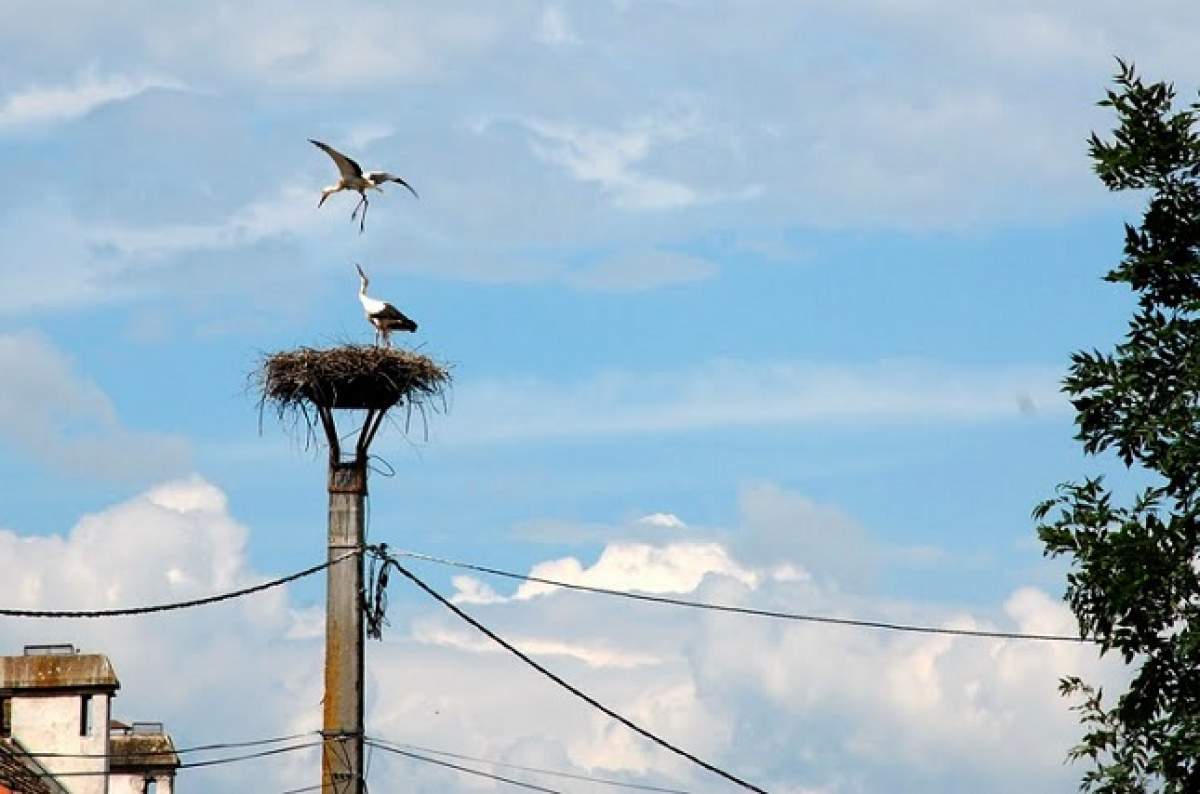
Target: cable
[
  {"x": 261, "y": 754},
  {"x": 180, "y": 751},
  {"x": 113, "y": 613},
  {"x": 562, "y": 683},
  {"x": 765, "y": 613},
  {"x": 533, "y": 769},
  {"x": 195, "y": 764},
  {"x": 466, "y": 769}
]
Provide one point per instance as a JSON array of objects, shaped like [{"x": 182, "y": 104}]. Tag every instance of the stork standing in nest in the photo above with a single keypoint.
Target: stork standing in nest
[
  {"x": 381, "y": 314},
  {"x": 352, "y": 178}
]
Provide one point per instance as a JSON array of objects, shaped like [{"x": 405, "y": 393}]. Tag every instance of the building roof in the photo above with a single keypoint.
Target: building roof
[
  {"x": 57, "y": 671},
  {"x": 24, "y": 774},
  {"x": 144, "y": 747}
]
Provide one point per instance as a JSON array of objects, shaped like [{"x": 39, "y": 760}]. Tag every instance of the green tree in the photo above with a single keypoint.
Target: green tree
[{"x": 1134, "y": 579}]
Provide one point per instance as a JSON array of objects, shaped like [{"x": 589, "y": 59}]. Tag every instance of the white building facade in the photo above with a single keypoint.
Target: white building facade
[
  {"x": 58, "y": 701},
  {"x": 56, "y": 708},
  {"x": 142, "y": 759}
]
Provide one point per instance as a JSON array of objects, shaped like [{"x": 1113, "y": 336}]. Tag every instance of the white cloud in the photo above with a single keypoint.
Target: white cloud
[
  {"x": 793, "y": 707},
  {"x": 663, "y": 520},
  {"x": 193, "y": 669},
  {"x": 779, "y": 526},
  {"x": 53, "y": 414},
  {"x": 592, "y": 656},
  {"x": 826, "y": 138},
  {"x": 725, "y": 111},
  {"x": 673, "y": 568},
  {"x": 609, "y": 158},
  {"x": 469, "y": 590},
  {"x": 44, "y": 104},
  {"x": 290, "y": 211},
  {"x": 106, "y": 262},
  {"x": 746, "y": 394}
]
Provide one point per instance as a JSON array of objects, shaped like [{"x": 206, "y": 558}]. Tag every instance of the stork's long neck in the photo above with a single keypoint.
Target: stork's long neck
[{"x": 369, "y": 304}]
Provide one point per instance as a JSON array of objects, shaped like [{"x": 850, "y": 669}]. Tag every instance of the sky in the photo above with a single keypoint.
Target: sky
[{"x": 764, "y": 303}]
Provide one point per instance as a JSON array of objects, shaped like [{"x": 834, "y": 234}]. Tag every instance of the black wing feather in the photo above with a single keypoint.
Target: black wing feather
[
  {"x": 384, "y": 176},
  {"x": 393, "y": 319},
  {"x": 345, "y": 165}
]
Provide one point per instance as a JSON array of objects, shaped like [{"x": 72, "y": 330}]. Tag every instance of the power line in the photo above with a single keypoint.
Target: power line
[
  {"x": 764, "y": 613},
  {"x": 249, "y": 756},
  {"x": 532, "y": 769},
  {"x": 195, "y": 764},
  {"x": 382, "y": 552},
  {"x": 468, "y": 770},
  {"x": 181, "y": 751},
  {"x": 197, "y": 602}
]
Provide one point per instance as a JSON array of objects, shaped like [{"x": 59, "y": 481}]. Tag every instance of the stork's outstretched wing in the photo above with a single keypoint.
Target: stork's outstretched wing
[
  {"x": 384, "y": 176},
  {"x": 347, "y": 167}
]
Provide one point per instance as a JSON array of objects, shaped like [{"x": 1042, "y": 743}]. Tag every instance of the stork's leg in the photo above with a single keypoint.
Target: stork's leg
[
  {"x": 362, "y": 221},
  {"x": 362, "y": 199}
]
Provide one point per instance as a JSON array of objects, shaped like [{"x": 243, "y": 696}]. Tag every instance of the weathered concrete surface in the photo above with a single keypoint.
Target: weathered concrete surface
[
  {"x": 54, "y": 671},
  {"x": 50, "y": 723},
  {"x": 50, "y": 696},
  {"x": 136, "y": 756},
  {"x": 341, "y": 762}
]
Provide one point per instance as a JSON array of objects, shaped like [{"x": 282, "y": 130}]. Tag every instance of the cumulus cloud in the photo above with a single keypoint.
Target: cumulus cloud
[
  {"x": 781, "y": 525},
  {"x": 56, "y": 415},
  {"x": 793, "y": 707},
  {"x": 195, "y": 669},
  {"x": 674, "y": 568}
]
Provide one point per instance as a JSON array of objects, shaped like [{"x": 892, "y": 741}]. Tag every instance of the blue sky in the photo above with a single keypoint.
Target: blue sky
[{"x": 803, "y": 278}]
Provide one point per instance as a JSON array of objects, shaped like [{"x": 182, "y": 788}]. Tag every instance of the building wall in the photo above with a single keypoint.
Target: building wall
[
  {"x": 122, "y": 783},
  {"x": 49, "y": 723}
]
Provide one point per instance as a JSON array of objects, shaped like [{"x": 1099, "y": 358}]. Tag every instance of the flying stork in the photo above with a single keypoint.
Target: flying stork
[
  {"x": 381, "y": 314},
  {"x": 352, "y": 178}
]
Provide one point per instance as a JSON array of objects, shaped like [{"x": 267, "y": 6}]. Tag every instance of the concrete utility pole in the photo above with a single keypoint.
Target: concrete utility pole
[
  {"x": 310, "y": 385},
  {"x": 342, "y": 756}
]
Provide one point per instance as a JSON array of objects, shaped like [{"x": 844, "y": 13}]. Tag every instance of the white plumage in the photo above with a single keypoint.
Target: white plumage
[
  {"x": 382, "y": 315},
  {"x": 352, "y": 178}
]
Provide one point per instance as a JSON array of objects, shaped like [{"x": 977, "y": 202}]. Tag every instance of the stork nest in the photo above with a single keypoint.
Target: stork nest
[{"x": 351, "y": 376}]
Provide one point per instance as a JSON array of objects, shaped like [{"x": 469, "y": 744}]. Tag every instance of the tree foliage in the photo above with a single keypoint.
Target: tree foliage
[{"x": 1134, "y": 580}]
